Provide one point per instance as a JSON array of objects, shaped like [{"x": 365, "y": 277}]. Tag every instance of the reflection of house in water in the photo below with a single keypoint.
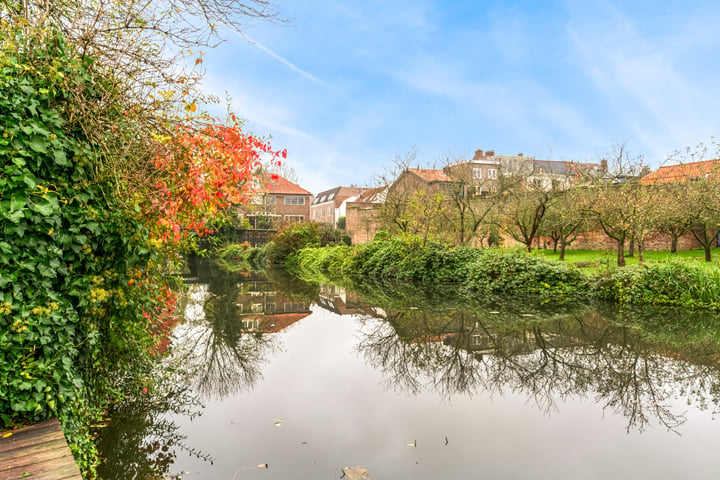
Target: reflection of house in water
[
  {"x": 264, "y": 309},
  {"x": 343, "y": 302},
  {"x": 482, "y": 341}
]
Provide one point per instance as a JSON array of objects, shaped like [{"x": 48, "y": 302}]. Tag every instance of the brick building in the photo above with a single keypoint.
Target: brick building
[{"x": 277, "y": 201}]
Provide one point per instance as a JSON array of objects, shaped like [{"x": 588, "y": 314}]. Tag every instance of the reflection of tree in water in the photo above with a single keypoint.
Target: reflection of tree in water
[
  {"x": 549, "y": 353},
  {"x": 140, "y": 441},
  {"x": 228, "y": 344}
]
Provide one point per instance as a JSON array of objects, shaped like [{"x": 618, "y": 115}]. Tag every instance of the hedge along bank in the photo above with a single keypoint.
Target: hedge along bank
[
  {"x": 409, "y": 258},
  {"x": 89, "y": 243}
]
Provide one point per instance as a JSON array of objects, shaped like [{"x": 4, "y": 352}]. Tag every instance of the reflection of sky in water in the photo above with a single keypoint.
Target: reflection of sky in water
[
  {"x": 336, "y": 411},
  {"x": 195, "y": 302}
]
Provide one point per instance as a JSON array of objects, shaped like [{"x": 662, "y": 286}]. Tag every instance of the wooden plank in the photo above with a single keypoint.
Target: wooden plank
[
  {"x": 37, "y": 452},
  {"x": 18, "y": 440}
]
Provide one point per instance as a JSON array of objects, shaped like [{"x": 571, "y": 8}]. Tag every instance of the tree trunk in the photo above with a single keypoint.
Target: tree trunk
[
  {"x": 621, "y": 252},
  {"x": 708, "y": 253},
  {"x": 640, "y": 252},
  {"x": 562, "y": 249},
  {"x": 673, "y": 244},
  {"x": 631, "y": 248}
]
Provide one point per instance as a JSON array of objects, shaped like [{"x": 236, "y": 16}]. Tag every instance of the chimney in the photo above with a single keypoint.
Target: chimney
[
  {"x": 520, "y": 154},
  {"x": 478, "y": 155},
  {"x": 490, "y": 153}
]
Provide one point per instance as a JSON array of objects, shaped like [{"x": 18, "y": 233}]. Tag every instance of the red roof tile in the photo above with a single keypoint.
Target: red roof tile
[
  {"x": 280, "y": 321},
  {"x": 682, "y": 172},
  {"x": 281, "y": 186},
  {"x": 430, "y": 175}
]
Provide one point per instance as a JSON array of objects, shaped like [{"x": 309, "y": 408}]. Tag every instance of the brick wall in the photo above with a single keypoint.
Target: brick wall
[{"x": 361, "y": 222}]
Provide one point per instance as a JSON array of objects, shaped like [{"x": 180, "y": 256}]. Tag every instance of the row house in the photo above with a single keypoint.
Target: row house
[
  {"x": 481, "y": 175},
  {"x": 275, "y": 202},
  {"x": 328, "y": 206},
  {"x": 486, "y": 171}
]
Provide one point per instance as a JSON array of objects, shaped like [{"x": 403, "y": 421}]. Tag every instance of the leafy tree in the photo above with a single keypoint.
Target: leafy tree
[
  {"x": 471, "y": 202},
  {"x": 676, "y": 216},
  {"x": 614, "y": 208},
  {"x": 525, "y": 204},
  {"x": 392, "y": 212},
  {"x": 106, "y": 170},
  {"x": 566, "y": 218}
]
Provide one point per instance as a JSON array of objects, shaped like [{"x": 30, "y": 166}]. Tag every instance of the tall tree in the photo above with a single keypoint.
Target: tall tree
[
  {"x": 567, "y": 218},
  {"x": 471, "y": 200},
  {"x": 613, "y": 208},
  {"x": 525, "y": 203}
]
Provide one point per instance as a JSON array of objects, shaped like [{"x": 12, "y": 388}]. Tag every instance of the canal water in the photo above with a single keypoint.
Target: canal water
[{"x": 278, "y": 379}]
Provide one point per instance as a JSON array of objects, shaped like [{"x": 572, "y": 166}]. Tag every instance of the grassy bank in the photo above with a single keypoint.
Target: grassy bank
[
  {"x": 598, "y": 260},
  {"x": 676, "y": 281}
]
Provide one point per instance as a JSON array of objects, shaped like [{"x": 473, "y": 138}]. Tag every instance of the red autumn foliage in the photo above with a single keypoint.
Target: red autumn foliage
[{"x": 203, "y": 172}]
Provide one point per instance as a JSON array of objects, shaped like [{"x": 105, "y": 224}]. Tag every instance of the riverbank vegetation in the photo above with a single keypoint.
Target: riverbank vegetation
[
  {"x": 617, "y": 203},
  {"x": 409, "y": 258},
  {"x": 109, "y": 172}
]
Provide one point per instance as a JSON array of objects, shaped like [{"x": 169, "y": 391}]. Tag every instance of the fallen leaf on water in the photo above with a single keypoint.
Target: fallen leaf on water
[
  {"x": 355, "y": 473},
  {"x": 6, "y": 434},
  {"x": 278, "y": 422}
]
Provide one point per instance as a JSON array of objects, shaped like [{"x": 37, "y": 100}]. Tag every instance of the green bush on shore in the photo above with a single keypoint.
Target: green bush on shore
[{"x": 408, "y": 258}]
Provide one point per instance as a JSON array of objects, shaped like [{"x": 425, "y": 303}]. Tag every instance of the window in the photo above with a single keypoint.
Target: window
[
  {"x": 293, "y": 306},
  {"x": 477, "y": 173},
  {"x": 294, "y": 218},
  {"x": 270, "y": 200},
  {"x": 492, "y": 173},
  {"x": 250, "y": 324},
  {"x": 294, "y": 200}
]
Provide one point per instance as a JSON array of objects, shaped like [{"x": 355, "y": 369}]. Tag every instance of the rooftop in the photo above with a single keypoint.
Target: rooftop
[
  {"x": 682, "y": 171},
  {"x": 430, "y": 175},
  {"x": 278, "y": 185}
]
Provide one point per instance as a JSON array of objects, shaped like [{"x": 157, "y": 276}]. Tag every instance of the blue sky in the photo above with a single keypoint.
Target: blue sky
[{"x": 346, "y": 86}]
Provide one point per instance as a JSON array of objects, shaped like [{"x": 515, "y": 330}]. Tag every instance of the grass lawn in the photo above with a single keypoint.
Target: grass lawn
[{"x": 598, "y": 260}]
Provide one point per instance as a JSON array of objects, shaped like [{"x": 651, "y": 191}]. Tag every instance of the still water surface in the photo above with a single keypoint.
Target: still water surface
[{"x": 299, "y": 381}]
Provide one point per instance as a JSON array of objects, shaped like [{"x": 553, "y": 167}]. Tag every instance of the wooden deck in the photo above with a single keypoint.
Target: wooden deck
[{"x": 37, "y": 452}]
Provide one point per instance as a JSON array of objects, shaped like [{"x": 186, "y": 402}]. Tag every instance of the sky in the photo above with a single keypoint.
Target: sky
[{"x": 346, "y": 86}]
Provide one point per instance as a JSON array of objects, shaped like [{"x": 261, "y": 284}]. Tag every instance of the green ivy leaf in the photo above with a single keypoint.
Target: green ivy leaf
[{"x": 37, "y": 143}]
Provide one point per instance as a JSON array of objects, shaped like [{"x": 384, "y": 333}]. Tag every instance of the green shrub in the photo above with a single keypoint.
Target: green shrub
[
  {"x": 669, "y": 283},
  {"x": 498, "y": 271},
  {"x": 290, "y": 240}
]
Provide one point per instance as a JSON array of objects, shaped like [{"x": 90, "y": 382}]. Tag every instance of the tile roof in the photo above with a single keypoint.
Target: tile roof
[
  {"x": 683, "y": 171},
  {"x": 431, "y": 175},
  {"x": 280, "y": 321},
  {"x": 280, "y": 186},
  {"x": 372, "y": 195}
]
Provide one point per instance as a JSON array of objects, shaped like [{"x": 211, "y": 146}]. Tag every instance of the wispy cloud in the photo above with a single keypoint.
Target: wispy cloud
[
  {"x": 284, "y": 61},
  {"x": 653, "y": 95}
]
